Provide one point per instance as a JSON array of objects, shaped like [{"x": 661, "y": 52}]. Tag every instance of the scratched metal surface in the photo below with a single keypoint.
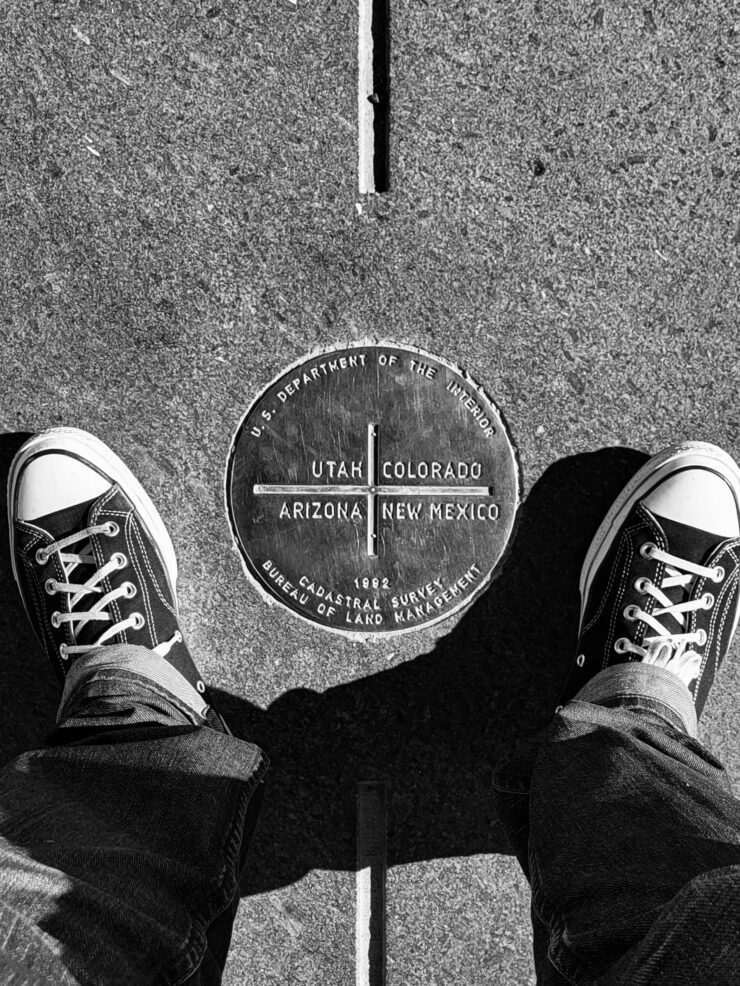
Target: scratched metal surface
[
  {"x": 426, "y": 555},
  {"x": 179, "y": 222}
]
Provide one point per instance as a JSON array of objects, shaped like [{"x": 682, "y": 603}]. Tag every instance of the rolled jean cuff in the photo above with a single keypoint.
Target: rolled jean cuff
[
  {"x": 132, "y": 660},
  {"x": 646, "y": 688}
]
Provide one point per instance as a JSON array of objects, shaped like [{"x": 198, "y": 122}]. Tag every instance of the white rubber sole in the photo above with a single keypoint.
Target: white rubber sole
[
  {"x": 682, "y": 456},
  {"x": 91, "y": 450}
]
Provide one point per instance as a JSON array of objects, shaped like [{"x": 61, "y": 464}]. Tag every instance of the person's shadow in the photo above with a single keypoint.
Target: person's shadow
[
  {"x": 433, "y": 729},
  {"x": 436, "y": 727}
]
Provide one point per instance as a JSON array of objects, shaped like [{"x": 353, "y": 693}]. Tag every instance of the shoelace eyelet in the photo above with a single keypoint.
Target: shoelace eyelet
[
  {"x": 63, "y": 652},
  {"x": 56, "y": 620},
  {"x": 648, "y": 549},
  {"x": 120, "y": 559},
  {"x": 719, "y": 573},
  {"x": 642, "y": 585},
  {"x": 708, "y": 600},
  {"x": 201, "y": 686},
  {"x": 630, "y": 613},
  {"x": 702, "y": 638},
  {"x": 581, "y": 660},
  {"x": 130, "y": 590},
  {"x": 620, "y": 645},
  {"x": 139, "y": 621},
  {"x": 41, "y": 557},
  {"x": 113, "y": 529},
  {"x": 51, "y": 586}
]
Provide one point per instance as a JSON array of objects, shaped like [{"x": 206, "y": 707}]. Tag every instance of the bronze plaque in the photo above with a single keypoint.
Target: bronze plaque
[{"x": 371, "y": 489}]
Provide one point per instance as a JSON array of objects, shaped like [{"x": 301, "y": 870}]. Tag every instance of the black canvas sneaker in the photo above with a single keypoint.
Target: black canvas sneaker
[
  {"x": 92, "y": 559},
  {"x": 660, "y": 580}
]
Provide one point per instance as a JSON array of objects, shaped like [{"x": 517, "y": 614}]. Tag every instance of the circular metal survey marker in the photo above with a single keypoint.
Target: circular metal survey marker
[{"x": 371, "y": 489}]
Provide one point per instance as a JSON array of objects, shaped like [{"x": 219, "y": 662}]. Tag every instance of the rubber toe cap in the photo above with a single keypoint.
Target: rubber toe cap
[
  {"x": 54, "y": 482},
  {"x": 698, "y": 498}
]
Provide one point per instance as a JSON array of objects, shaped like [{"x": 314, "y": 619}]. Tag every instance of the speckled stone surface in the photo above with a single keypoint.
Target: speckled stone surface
[{"x": 178, "y": 215}]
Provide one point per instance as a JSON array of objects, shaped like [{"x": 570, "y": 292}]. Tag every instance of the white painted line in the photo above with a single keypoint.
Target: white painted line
[
  {"x": 371, "y": 870},
  {"x": 365, "y": 109}
]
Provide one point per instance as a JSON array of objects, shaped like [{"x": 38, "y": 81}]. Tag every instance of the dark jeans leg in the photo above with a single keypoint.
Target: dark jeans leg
[
  {"x": 634, "y": 851},
  {"x": 628, "y": 832},
  {"x": 123, "y": 841}
]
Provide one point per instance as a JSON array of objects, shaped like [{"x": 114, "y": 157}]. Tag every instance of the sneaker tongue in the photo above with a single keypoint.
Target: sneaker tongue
[
  {"x": 688, "y": 542},
  {"x": 66, "y": 521},
  {"x": 684, "y": 542},
  {"x": 59, "y": 525}
]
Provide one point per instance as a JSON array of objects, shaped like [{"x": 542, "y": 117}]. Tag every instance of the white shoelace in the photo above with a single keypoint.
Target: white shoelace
[
  {"x": 77, "y": 619},
  {"x": 678, "y": 572}
]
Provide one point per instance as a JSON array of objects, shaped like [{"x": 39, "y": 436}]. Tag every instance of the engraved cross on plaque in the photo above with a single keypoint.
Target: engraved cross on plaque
[{"x": 370, "y": 490}]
